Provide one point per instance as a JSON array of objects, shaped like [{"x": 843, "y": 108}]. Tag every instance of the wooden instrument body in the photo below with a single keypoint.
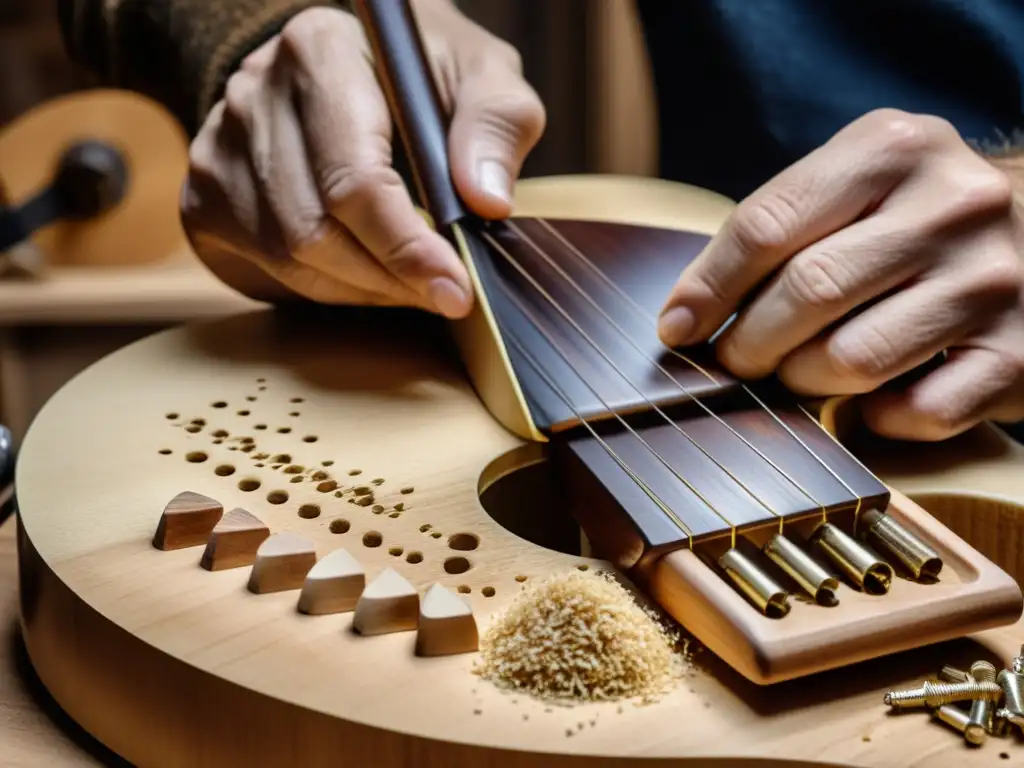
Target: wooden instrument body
[{"x": 173, "y": 665}]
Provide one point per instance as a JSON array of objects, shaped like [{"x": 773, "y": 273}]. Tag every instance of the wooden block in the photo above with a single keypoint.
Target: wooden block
[
  {"x": 446, "y": 625},
  {"x": 234, "y": 541},
  {"x": 187, "y": 521},
  {"x": 282, "y": 562},
  {"x": 388, "y": 604},
  {"x": 333, "y": 585}
]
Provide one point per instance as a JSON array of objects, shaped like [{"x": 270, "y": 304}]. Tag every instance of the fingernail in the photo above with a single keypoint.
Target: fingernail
[
  {"x": 676, "y": 326},
  {"x": 447, "y": 297},
  {"x": 494, "y": 180}
]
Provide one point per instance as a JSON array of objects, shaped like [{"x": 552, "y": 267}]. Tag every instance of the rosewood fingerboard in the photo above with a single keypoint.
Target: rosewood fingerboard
[{"x": 576, "y": 303}]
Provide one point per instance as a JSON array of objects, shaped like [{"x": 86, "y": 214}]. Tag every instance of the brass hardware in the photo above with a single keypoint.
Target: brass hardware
[
  {"x": 957, "y": 718},
  {"x": 936, "y": 694},
  {"x": 760, "y": 588},
  {"x": 953, "y": 675},
  {"x": 1012, "y": 685},
  {"x": 801, "y": 567},
  {"x": 861, "y": 565},
  {"x": 981, "y": 709},
  {"x": 1009, "y": 718},
  {"x": 882, "y": 530}
]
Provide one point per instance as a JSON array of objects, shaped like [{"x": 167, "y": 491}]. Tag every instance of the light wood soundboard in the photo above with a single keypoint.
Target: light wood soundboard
[{"x": 172, "y": 664}]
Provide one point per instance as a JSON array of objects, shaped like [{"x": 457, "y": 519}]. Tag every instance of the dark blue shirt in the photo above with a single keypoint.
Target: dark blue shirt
[{"x": 747, "y": 87}]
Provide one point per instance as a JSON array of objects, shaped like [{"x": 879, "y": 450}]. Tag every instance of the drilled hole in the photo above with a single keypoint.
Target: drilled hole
[
  {"x": 261, "y": 389},
  {"x": 219, "y": 404},
  {"x": 414, "y": 557},
  {"x": 220, "y": 433},
  {"x": 248, "y": 484},
  {"x": 327, "y": 486},
  {"x": 456, "y": 565},
  {"x": 261, "y": 381},
  {"x": 338, "y": 525},
  {"x": 196, "y": 457},
  {"x": 464, "y": 589},
  {"x": 463, "y": 542},
  {"x": 310, "y": 439},
  {"x": 251, "y": 398},
  {"x": 393, "y": 515},
  {"x": 284, "y": 430},
  {"x": 487, "y": 591},
  {"x": 520, "y": 579},
  {"x": 193, "y": 428},
  {"x": 172, "y": 416},
  {"x": 327, "y": 463},
  {"x": 377, "y": 509},
  {"x": 224, "y": 470},
  {"x": 425, "y": 527},
  {"x": 277, "y": 497},
  {"x": 354, "y": 472},
  {"x": 294, "y": 414},
  {"x": 583, "y": 567},
  {"x": 165, "y": 451},
  {"x": 199, "y": 422},
  {"x": 243, "y": 413},
  {"x": 436, "y": 535},
  {"x": 295, "y": 400},
  {"x": 294, "y": 469},
  {"x": 309, "y": 511},
  {"x": 260, "y": 426},
  {"x": 407, "y": 489},
  {"x": 372, "y": 539},
  {"x": 396, "y": 551}
]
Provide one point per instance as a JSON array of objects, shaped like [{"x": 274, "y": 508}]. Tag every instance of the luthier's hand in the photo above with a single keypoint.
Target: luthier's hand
[
  {"x": 291, "y": 170},
  {"x": 892, "y": 242}
]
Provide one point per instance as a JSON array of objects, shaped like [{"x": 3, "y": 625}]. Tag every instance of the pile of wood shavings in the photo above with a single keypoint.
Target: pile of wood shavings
[{"x": 581, "y": 637}]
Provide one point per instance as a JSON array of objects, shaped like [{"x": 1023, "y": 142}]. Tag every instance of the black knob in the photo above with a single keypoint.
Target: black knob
[
  {"x": 7, "y": 455},
  {"x": 92, "y": 178}
]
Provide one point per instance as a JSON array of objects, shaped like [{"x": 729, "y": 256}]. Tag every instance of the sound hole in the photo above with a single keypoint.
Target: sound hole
[{"x": 522, "y": 492}]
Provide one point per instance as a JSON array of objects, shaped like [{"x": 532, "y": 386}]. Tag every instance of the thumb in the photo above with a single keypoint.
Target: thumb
[{"x": 498, "y": 119}]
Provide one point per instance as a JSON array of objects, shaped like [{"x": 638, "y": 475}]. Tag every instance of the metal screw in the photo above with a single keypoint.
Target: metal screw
[
  {"x": 953, "y": 675},
  {"x": 1012, "y": 682},
  {"x": 957, "y": 718},
  {"x": 1006, "y": 716},
  {"x": 981, "y": 709},
  {"x": 936, "y": 694}
]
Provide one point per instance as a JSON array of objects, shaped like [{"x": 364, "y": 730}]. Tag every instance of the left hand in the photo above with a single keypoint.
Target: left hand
[{"x": 890, "y": 243}]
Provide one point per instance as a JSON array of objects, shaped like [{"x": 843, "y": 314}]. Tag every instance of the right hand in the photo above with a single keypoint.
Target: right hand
[{"x": 291, "y": 170}]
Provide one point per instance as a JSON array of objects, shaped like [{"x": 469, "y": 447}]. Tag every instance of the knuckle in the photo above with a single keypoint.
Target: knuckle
[
  {"x": 314, "y": 32},
  {"x": 862, "y": 358},
  {"x": 813, "y": 280},
  {"x": 345, "y": 186},
  {"x": 515, "y": 115},
  {"x": 999, "y": 277},
  {"x": 980, "y": 189},
  {"x": 238, "y": 92},
  {"x": 765, "y": 223},
  {"x": 903, "y": 133}
]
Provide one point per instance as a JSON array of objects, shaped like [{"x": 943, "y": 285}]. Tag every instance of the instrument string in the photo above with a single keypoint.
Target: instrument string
[
  {"x": 611, "y": 452},
  {"x": 678, "y": 384},
  {"x": 581, "y": 257},
  {"x": 537, "y": 366},
  {"x": 554, "y": 303}
]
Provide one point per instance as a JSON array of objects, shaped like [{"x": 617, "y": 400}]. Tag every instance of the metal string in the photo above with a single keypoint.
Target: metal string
[
  {"x": 536, "y": 365},
  {"x": 600, "y": 273},
  {"x": 655, "y": 363},
  {"x": 540, "y": 289}
]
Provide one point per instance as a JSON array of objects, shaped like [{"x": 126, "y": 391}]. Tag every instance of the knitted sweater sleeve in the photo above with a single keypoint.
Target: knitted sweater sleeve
[{"x": 179, "y": 52}]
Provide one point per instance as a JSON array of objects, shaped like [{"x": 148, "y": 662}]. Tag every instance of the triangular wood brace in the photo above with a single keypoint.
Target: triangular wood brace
[
  {"x": 446, "y": 625},
  {"x": 388, "y": 604},
  {"x": 187, "y": 521},
  {"x": 282, "y": 562},
  {"x": 234, "y": 541},
  {"x": 333, "y": 585}
]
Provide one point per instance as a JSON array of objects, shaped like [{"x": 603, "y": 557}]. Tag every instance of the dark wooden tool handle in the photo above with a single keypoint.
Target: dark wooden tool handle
[{"x": 405, "y": 75}]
